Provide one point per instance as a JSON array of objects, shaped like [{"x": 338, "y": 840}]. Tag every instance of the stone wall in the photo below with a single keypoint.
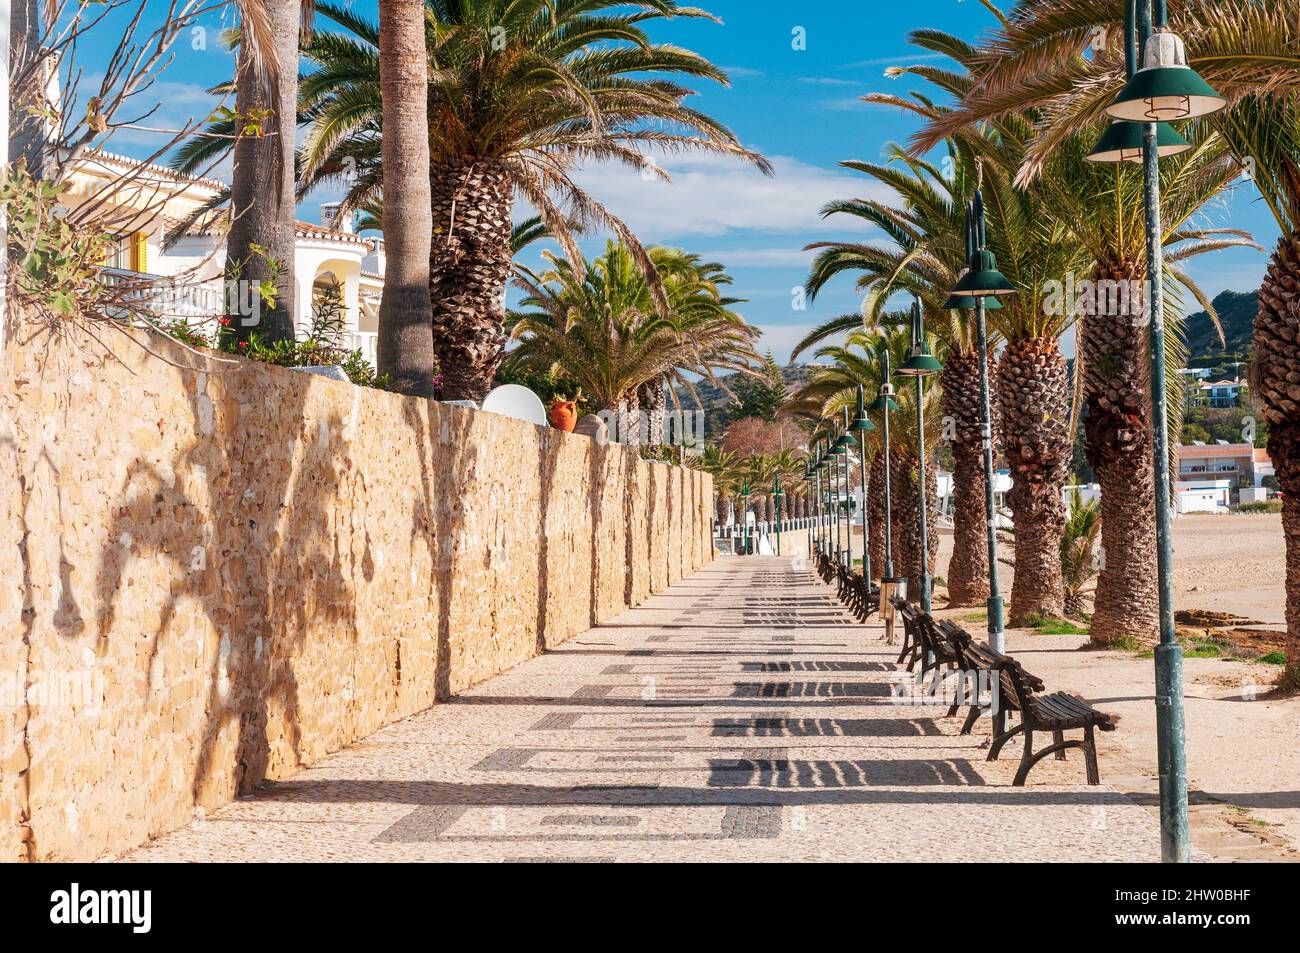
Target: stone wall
[{"x": 215, "y": 578}]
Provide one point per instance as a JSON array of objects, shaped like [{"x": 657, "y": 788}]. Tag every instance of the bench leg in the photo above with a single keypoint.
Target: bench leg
[
  {"x": 971, "y": 719},
  {"x": 1026, "y": 757},
  {"x": 1029, "y": 761},
  {"x": 1090, "y": 756},
  {"x": 1001, "y": 739},
  {"x": 1058, "y": 737}
]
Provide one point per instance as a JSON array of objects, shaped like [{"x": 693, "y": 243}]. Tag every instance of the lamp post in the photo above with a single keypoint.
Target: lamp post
[
  {"x": 1164, "y": 88},
  {"x": 981, "y": 285},
  {"x": 890, "y": 585},
  {"x": 861, "y": 424},
  {"x": 777, "y": 494},
  {"x": 832, "y": 460},
  {"x": 919, "y": 365},
  {"x": 841, "y": 464},
  {"x": 744, "y": 518}
]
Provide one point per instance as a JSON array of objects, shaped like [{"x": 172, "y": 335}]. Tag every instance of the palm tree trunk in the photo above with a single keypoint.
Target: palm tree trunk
[
  {"x": 907, "y": 518},
  {"x": 968, "y": 569},
  {"x": 469, "y": 265},
  {"x": 629, "y": 420},
  {"x": 405, "y": 346},
  {"x": 1112, "y": 352},
  {"x": 28, "y": 134},
  {"x": 1034, "y": 394},
  {"x": 655, "y": 405},
  {"x": 262, "y": 196},
  {"x": 1276, "y": 376},
  {"x": 876, "y": 515}
]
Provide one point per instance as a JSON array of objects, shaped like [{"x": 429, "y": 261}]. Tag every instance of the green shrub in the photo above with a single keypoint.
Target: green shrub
[
  {"x": 1263, "y": 506},
  {"x": 1274, "y": 658}
]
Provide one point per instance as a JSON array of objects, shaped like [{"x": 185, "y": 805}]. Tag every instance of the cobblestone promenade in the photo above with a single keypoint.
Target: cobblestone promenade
[{"x": 740, "y": 716}]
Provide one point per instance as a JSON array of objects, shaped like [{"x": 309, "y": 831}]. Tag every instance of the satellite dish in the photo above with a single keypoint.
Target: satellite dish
[{"x": 515, "y": 400}]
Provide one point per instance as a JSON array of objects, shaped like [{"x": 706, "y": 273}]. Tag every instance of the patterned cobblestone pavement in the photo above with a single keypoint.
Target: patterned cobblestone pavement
[{"x": 740, "y": 715}]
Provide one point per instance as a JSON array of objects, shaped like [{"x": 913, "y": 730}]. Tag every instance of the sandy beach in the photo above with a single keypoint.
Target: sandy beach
[{"x": 1243, "y": 745}]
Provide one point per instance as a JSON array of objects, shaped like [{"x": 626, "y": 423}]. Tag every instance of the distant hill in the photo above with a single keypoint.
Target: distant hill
[
  {"x": 714, "y": 398},
  {"x": 1236, "y": 313}
]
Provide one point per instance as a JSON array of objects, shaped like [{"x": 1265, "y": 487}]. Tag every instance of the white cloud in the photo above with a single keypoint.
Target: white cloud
[{"x": 716, "y": 195}]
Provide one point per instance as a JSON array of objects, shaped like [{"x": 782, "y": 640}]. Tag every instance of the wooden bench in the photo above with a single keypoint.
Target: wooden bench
[
  {"x": 911, "y": 641},
  {"x": 1058, "y": 713},
  {"x": 1022, "y": 693}
]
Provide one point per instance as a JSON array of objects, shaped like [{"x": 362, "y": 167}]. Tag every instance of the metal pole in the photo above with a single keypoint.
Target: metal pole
[
  {"x": 866, "y": 529},
  {"x": 1175, "y": 845},
  {"x": 924, "y": 581},
  {"x": 835, "y": 504},
  {"x": 848, "y": 510},
  {"x": 889, "y": 505},
  {"x": 777, "y": 503},
  {"x": 997, "y": 636}
]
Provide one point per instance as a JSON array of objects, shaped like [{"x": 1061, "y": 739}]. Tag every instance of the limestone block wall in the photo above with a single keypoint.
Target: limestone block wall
[{"x": 215, "y": 578}]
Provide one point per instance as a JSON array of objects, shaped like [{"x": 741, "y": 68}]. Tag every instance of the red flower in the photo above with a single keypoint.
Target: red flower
[
  {"x": 224, "y": 322},
  {"x": 243, "y": 344}
]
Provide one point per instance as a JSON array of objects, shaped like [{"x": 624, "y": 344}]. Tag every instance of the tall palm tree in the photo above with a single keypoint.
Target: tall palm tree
[
  {"x": 521, "y": 92},
  {"x": 926, "y": 258},
  {"x": 1250, "y": 52},
  {"x": 602, "y": 329},
  {"x": 832, "y": 389},
  {"x": 1102, "y": 205},
  {"x": 263, "y": 198},
  {"x": 405, "y": 347}
]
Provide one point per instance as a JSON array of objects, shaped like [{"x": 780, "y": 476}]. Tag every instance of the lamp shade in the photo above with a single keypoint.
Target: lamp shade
[
  {"x": 983, "y": 278},
  {"x": 1165, "y": 87},
  {"x": 862, "y": 422},
  {"x": 882, "y": 402},
  {"x": 968, "y": 303},
  {"x": 1122, "y": 142},
  {"x": 921, "y": 363},
  {"x": 846, "y": 440}
]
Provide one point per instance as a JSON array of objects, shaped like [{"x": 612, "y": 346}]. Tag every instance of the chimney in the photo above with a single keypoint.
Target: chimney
[{"x": 331, "y": 217}]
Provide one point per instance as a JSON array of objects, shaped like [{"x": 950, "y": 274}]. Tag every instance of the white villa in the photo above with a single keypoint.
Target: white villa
[{"x": 188, "y": 274}]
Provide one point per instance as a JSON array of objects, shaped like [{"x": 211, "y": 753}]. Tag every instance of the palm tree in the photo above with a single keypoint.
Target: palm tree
[
  {"x": 1084, "y": 526},
  {"x": 1250, "y": 53},
  {"x": 727, "y": 472},
  {"x": 601, "y": 328},
  {"x": 263, "y": 234},
  {"x": 1103, "y": 208},
  {"x": 521, "y": 92},
  {"x": 832, "y": 389},
  {"x": 405, "y": 346},
  {"x": 925, "y": 260}
]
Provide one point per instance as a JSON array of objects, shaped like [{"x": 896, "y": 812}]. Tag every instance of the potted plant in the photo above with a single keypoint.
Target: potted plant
[{"x": 564, "y": 413}]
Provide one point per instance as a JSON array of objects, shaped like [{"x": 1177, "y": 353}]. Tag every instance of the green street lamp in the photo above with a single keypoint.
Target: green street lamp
[
  {"x": 1122, "y": 141},
  {"x": 836, "y": 451},
  {"x": 744, "y": 519},
  {"x": 845, "y": 443},
  {"x": 975, "y": 235},
  {"x": 1165, "y": 88},
  {"x": 861, "y": 424},
  {"x": 777, "y": 494},
  {"x": 920, "y": 365},
  {"x": 982, "y": 277},
  {"x": 884, "y": 405}
]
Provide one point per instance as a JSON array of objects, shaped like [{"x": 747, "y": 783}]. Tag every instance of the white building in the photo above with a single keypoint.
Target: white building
[{"x": 188, "y": 274}]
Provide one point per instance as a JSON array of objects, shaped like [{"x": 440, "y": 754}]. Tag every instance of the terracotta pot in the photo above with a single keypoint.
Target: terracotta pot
[{"x": 564, "y": 415}]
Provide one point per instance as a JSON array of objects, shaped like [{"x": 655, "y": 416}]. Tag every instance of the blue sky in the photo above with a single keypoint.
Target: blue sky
[{"x": 800, "y": 108}]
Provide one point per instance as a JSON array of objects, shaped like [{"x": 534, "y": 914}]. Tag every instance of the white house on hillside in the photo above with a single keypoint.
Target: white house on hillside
[{"x": 187, "y": 275}]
